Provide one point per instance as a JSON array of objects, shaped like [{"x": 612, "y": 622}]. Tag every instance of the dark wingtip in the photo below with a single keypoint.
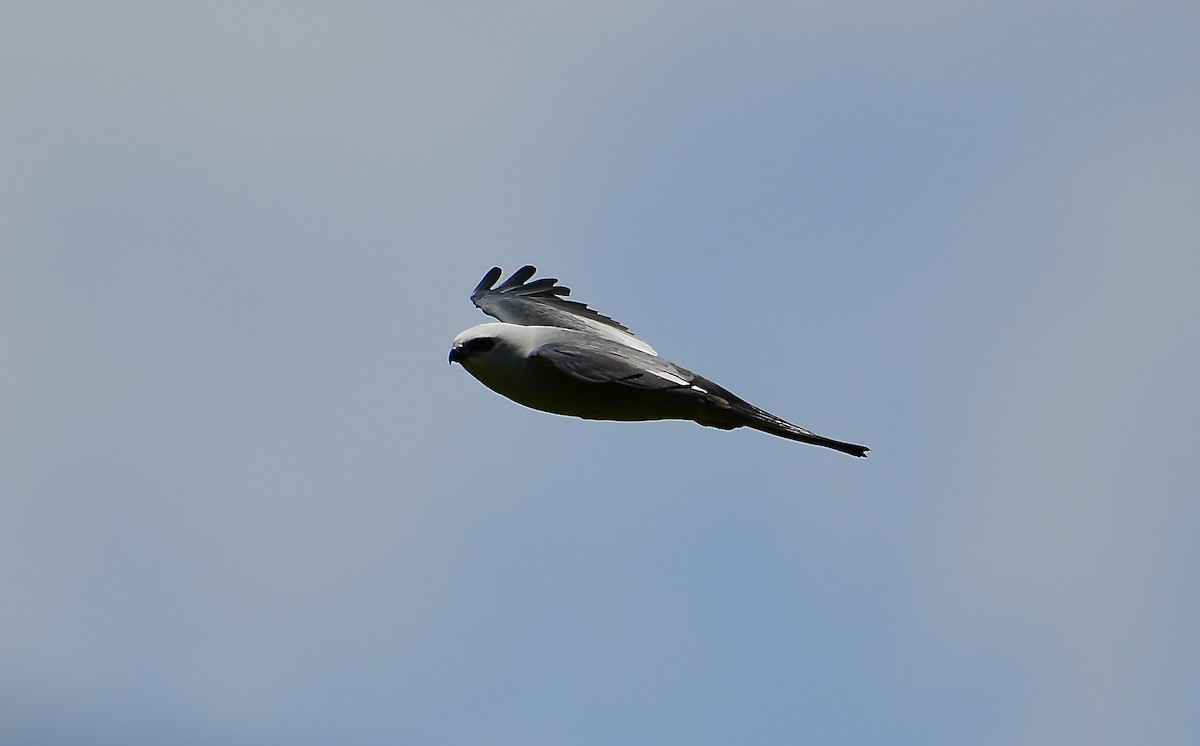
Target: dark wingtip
[
  {"x": 518, "y": 278},
  {"x": 545, "y": 290},
  {"x": 488, "y": 280}
]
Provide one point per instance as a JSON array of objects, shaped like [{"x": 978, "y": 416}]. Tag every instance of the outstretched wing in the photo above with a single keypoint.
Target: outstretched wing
[
  {"x": 543, "y": 303},
  {"x": 602, "y": 361}
]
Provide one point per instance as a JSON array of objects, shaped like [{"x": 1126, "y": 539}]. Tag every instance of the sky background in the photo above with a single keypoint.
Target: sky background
[{"x": 243, "y": 498}]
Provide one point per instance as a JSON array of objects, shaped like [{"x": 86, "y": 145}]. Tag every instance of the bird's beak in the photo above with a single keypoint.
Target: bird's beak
[{"x": 457, "y": 355}]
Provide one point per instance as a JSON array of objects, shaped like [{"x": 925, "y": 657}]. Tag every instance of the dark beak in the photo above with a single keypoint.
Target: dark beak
[{"x": 457, "y": 355}]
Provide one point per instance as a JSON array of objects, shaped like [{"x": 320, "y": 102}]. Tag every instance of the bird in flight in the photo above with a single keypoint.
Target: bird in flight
[{"x": 560, "y": 356}]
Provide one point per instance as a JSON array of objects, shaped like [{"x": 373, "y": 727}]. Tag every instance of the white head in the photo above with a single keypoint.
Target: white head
[
  {"x": 498, "y": 354},
  {"x": 487, "y": 344},
  {"x": 475, "y": 342}
]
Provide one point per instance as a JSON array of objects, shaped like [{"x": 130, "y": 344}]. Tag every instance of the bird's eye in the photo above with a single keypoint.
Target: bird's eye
[{"x": 480, "y": 345}]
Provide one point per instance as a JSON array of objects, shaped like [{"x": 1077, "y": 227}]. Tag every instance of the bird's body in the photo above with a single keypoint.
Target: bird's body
[
  {"x": 520, "y": 369},
  {"x": 564, "y": 358}
]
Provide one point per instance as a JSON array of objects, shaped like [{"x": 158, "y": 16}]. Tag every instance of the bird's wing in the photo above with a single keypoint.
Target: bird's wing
[
  {"x": 601, "y": 361},
  {"x": 598, "y": 360},
  {"x": 543, "y": 303}
]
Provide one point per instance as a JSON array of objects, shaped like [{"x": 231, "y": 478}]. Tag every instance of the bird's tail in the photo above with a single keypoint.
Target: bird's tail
[{"x": 768, "y": 423}]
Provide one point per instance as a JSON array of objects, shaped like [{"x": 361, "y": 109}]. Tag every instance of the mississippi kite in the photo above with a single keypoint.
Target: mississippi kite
[{"x": 560, "y": 356}]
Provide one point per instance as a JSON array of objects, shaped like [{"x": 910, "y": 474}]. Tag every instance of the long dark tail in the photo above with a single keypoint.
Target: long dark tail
[
  {"x": 726, "y": 410},
  {"x": 769, "y": 423}
]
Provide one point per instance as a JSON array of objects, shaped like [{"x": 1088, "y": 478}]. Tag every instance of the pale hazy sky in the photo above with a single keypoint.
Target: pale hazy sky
[{"x": 243, "y": 498}]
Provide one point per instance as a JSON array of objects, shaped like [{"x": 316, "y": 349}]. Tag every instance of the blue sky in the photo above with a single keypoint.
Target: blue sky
[{"x": 245, "y": 500}]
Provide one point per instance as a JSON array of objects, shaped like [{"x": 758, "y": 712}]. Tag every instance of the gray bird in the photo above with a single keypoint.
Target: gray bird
[{"x": 560, "y": 356}]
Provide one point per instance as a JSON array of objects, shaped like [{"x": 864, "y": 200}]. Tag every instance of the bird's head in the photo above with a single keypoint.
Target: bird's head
[
  {"x": 477, "y": 344},
  {"x": 465, "y": 349}
]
